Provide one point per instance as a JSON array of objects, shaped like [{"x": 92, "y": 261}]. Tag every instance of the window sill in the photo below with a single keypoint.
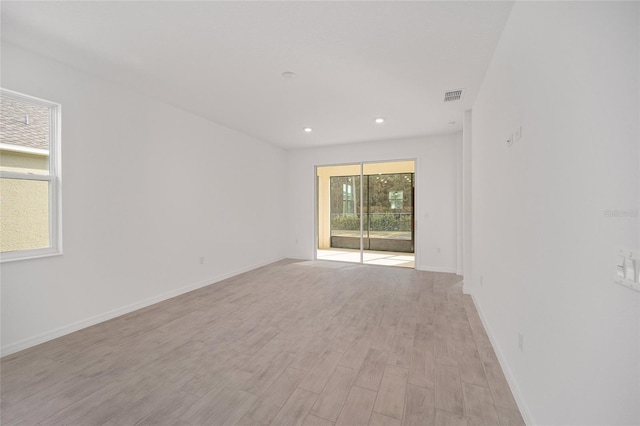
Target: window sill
[{"x": 14, "y": 256}]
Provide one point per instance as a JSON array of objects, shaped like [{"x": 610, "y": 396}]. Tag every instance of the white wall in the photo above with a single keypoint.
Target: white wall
[
  {"x": 435, "y": 193},
  {"x": 147, "y": 190},
  {"x": 568, "y": 74}
]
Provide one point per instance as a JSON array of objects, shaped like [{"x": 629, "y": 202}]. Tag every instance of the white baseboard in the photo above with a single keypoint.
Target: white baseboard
[
  {"x": 511, "y": 381},
  {"x": 301, "y": 259},
  {"x": 88, "y": 322},
  {"x": 450, "y": 270}
]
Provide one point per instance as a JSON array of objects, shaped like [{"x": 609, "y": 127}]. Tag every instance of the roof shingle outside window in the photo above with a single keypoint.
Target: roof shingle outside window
[{"x": 14, "y": 130}]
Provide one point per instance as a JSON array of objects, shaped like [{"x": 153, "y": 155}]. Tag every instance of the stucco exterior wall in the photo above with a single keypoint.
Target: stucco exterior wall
[{"x": 24, "y": 204}]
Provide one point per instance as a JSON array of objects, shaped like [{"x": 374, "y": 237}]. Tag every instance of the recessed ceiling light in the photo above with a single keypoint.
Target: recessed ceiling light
[
  {"x": 288, "y": 75},
  {"x": 308, "y": 130},
  {"x": 379, "y": 120}
]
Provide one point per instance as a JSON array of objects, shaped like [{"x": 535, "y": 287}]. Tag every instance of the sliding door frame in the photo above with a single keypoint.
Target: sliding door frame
[{"x": 362, "y": 165}]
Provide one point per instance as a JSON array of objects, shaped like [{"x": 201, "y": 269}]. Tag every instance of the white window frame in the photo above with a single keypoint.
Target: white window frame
[{"x": 54, "y": 179}]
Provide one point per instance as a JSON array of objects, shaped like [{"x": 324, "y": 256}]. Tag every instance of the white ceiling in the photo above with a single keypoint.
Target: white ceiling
[{"x": 223, "y": 60}]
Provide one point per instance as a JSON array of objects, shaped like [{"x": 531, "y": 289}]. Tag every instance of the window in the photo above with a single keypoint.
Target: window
[
  {"x": 347, "y": 198},
  {"x": 395, "y": 200},
  {"x": 29, "y": 177}
]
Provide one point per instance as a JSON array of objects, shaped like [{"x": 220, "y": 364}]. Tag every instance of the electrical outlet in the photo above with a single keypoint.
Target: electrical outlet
[
  {"x": 521, "y": 342},
  {"x": 201, "y": 260}
]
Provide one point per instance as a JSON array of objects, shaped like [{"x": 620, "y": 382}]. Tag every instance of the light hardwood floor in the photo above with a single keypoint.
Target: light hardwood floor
[{"x": 292, "y": 343}]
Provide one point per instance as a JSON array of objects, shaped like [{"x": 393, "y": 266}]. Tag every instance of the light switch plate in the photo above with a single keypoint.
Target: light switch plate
[
  {"x": 628, "y": 268},
  {"x": 518, "y": 134}
]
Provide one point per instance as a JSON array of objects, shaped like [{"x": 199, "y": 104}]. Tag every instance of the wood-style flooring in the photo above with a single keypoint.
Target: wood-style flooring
[{"x": 292, "y": 343}]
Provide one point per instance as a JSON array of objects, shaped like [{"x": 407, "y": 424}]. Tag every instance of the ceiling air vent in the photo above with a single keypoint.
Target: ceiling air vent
[{"x": 454, "y": 95}]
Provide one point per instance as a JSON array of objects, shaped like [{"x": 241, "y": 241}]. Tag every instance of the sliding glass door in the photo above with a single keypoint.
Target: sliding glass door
[{"x": 365, "y": 213}]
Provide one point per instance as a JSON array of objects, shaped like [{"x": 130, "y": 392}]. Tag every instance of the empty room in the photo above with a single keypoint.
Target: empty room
[{"x": 320, "y": 213}]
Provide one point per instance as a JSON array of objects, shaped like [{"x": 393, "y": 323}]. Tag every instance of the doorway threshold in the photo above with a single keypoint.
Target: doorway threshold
[{"x": 371, "y": 257}]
